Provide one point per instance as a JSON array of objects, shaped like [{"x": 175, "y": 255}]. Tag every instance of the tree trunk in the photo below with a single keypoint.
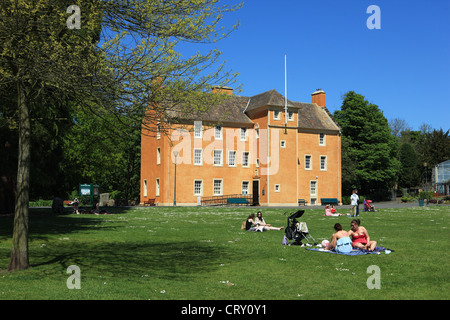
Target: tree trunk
[{"x": 19, "y": 252}]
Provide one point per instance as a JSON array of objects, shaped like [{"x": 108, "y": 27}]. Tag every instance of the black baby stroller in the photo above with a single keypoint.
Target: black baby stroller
[{"x": 297, "y": 231}]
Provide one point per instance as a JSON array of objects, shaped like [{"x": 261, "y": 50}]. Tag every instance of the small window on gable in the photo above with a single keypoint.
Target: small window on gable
[
  {"x": 322, "y": 140},
  {"x": 291, "y": 116},
  {"x": 243, "y": 134},
  {"x": 197, "y": 129},
  {"x": 218, "y": 133},
  {"x": 276, "y": 115}
]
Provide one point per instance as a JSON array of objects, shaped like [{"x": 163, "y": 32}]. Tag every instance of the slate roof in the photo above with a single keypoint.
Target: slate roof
[
  {"x": 269, "y": 98},
  {"x": 311, "y": 116}
]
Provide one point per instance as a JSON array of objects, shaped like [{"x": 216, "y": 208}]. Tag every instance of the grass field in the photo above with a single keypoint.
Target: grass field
[{"x": 201, "y": 253}]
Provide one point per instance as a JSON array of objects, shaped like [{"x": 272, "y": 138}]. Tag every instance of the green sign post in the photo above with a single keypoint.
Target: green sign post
[{"x": 88, "y": 191}]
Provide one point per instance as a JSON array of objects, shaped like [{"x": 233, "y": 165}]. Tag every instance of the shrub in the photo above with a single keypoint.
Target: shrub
[
  {"x": 407, "y": 198},
  {"x": 423, "y": 194},
  {"x": 40, "y": 203}
]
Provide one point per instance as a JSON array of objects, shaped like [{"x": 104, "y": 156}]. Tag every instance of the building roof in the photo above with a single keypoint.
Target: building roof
[
  {"x": 229, "y": 111},
  {"x": 312, "y": 116},
  {"x": 235, "y": 109},
  {"x": 269, "y": 98}
]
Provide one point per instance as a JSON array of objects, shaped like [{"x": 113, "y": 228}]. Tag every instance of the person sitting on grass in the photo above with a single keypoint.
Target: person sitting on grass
[
  {"x": 329, "y": 212},
  {"x": 340, "y": 241},
  {"x": 259, "y": 220},
  {"x": 75, "y": 204},
  {"x": 250, "y": 224},
  {"x": 96, "y": 210},
  {"x": 360, "y": 236}
]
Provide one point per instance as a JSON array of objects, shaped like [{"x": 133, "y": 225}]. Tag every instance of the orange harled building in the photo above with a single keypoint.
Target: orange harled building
[{"x": 251, "y": 146}]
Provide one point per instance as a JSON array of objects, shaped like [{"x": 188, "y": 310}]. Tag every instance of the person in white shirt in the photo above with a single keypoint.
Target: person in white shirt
[{"x": 354, "y": 202}]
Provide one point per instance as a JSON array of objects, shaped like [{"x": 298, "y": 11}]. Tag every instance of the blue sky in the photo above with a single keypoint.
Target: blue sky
[{"x": 404, "y": 67}]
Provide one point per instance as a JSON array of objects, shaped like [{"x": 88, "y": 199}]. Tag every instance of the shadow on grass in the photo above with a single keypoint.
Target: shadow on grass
[
  {"x": 42, "y": 225},
  {"x": 174, "y": 260}
]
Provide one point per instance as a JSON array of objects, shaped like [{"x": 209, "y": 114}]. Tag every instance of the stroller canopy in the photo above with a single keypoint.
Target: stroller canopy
[{"x": 297, "y": 214}]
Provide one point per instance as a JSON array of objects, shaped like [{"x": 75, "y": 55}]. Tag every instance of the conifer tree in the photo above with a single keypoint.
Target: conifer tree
[{"x": 371, "y": 149}]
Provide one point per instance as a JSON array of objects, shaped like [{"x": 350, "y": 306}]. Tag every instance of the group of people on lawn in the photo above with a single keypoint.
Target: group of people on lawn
[{"x": 342, "y": 241}]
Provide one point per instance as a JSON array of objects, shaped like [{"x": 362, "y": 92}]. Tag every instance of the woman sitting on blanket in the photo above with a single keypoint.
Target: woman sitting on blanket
[
  {"x": 340, "y": 241},
  {"x": 329, "y": 212},
  {"x": 360, "y": 236},
  {"x": 260, "y": 222}
]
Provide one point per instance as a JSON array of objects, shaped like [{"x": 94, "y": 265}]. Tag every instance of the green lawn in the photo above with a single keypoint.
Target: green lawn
[{"x": 201, "y": 253}]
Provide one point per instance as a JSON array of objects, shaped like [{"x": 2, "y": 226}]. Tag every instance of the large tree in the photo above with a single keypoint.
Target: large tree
[
  {"x": 41, "y": 62},
  {"x": 45, "y": 62},
  {"x": 370, "y": 147},
  {"x": 410, "y": 172}
]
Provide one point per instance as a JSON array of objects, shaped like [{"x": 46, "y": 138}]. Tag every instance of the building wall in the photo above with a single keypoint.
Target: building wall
[
  {"x": 328, "y": 180},
  {"x": 282, "y": 178},
  {"x": 282, "y": 181},
  {"x": 232, "y": 176},
  {"x": 260, "y": 118}
]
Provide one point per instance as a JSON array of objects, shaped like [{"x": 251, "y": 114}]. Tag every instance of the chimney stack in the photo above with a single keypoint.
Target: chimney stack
[
  {"x": 318, "y": 97},
  {"x": 222, "y": 89}
]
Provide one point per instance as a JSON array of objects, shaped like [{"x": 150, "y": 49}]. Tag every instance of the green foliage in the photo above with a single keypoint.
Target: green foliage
[
  {"x": 89, "y": 89},
  {"x": 97, "y": 152},
  {"x": 423, "y": 194},
  {"x": 410, "y": 166},
  {"x": 435, "y": 147},
  {"x": 369, "y": 149}
]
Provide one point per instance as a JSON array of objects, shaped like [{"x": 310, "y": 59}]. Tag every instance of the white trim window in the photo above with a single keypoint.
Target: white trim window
[
  {"x": 283, "y": 144},
  {"x": 245, "y": 187},
  {"x": 145, "y": 187},
  {"x": 245, "y": 159},
  {"x": 232, "y": 158},
  {"x": 197, "y": 129},
  {"x": 198, "y": 157},
  {"x": 158, "y": 155},
  {"x": 323, "y": 163},
  {"x": 217, "y": 158},
  {"x": 157, "y": 187},
  {"x": 313, "y": 188},
  {"x": 158, "y": 131},
  {"x": 277, "y": 188},
  {"x": 244, "y": 134},
  {"x": 217, "y": 187},
  {"x": 218, "y": 133},
  {"x": 322, "y": 139},
  {"x": 276, "y": 114},
  {"x": 290, "y": 116},
  {"x": 198, "y": 187},
  {"x": 308, "y": 162}
]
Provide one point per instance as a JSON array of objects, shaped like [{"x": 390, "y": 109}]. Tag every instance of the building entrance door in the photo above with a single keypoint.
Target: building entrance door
[{"x": 255, "y": 190}]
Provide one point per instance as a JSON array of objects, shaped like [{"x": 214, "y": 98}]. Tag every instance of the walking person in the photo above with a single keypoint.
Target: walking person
[{"x": 354, "y": 199}]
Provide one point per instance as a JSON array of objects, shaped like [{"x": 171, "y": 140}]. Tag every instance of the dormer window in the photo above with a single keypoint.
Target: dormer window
[
  {"x": 276, "y": 115},
  {"x": 291, "y": 116}
]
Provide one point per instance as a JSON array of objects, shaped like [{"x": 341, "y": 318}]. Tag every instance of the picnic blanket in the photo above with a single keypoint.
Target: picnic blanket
[{"x": 354, "y": 252}]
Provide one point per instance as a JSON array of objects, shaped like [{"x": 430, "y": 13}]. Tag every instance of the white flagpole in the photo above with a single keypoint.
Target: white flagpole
[{"x": 285, "y": 95}]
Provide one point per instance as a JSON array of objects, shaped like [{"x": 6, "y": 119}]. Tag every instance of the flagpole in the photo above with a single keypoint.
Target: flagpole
[{"x": 285, "y": 95}]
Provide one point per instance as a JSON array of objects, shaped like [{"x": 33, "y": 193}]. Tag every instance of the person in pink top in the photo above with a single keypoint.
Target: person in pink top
[{"x": 329, "y": 213}]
